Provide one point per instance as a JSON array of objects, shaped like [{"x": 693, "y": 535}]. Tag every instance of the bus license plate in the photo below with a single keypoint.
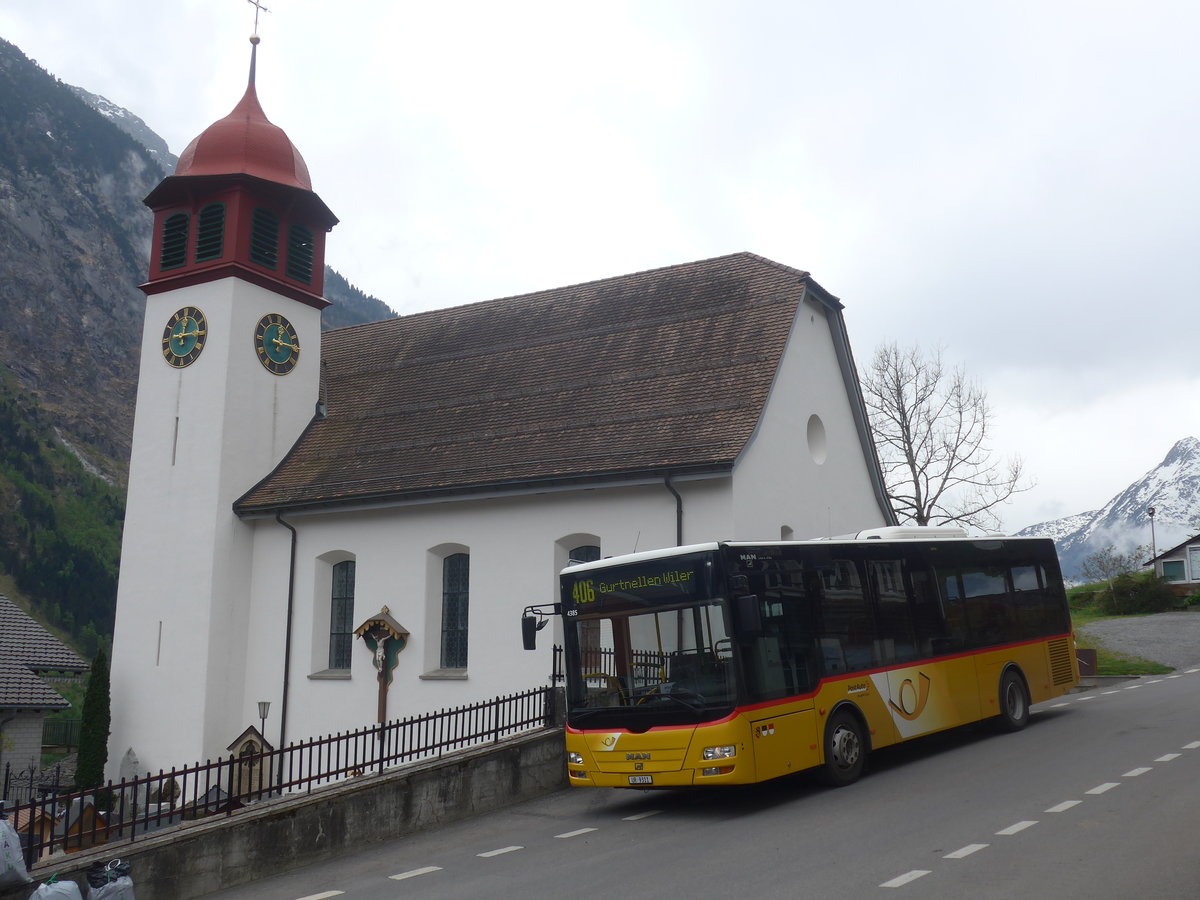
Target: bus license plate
[{"x": 641, "y": 779}]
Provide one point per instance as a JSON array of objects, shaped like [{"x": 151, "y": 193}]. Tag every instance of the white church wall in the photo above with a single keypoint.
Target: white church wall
[
  {"x": 804, "y": 470},
  {"x": 517, "y": 546}
]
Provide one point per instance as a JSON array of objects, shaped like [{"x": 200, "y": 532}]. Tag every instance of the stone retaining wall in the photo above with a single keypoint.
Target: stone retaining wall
[{"x": 202, "y": 857}]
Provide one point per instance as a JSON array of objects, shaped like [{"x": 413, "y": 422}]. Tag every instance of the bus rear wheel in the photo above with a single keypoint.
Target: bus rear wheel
[
  {"x": 845, "y": 750},
  {"x": 1014, "y": 702}
]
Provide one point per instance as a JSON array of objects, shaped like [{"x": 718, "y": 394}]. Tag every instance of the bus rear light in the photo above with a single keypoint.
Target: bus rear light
[{"x": 725, "y": 752}]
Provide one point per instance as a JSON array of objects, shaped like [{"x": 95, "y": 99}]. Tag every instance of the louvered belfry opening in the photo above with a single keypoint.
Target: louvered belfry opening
[
  {"x": 264, "y": 238},
  {"x": 210, "y": 232},
  {"x": 173, "y": 251},
  {"x": 300, "y": 254}
]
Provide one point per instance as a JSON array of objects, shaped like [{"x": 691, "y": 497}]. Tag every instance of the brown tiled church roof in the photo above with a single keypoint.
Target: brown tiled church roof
[{"x": 665, "y": 371}]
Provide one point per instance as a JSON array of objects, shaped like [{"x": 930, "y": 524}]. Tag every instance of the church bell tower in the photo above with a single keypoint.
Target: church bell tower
[{"x": 229, "y": 378}]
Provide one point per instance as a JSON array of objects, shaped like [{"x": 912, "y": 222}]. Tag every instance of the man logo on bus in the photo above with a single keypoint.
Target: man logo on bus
[{"x": 912, "y": 698}]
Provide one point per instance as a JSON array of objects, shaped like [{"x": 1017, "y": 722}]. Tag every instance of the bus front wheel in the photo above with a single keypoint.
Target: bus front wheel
[
  {"x": 1014, "y": 702},
  {"x": 845, "y": 750}
]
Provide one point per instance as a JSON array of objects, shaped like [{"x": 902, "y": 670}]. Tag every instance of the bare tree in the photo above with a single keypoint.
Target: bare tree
[
  {"x": 931, "y": 431},
  {"x": 1107, "y": 563}
]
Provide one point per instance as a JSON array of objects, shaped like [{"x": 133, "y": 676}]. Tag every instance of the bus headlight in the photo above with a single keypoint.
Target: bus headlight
[
  {"x": 574, "y": 758},
  {"x": 720, "y": 752}
]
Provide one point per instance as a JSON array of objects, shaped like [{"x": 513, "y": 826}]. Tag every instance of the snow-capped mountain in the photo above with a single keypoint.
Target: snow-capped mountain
[
  {"x": 132, "y": 125},
  {"x": 1172, "y": 488}
]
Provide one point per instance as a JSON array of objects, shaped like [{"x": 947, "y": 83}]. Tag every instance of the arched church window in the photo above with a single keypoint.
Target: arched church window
[
  {"x": 585, "y": 553},
  {"x": 300, "y": 253},
  {"x": 264, "y": 237},
  {"x": 173, "y": 252},
  {"x": 210, "y": 232},
  {"x": 341, "y": 618},
  {"x": 456, "y": 570},
  {"x": 589, "y": 631}
]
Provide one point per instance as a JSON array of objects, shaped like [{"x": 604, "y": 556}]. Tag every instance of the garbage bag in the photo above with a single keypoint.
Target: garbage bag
[
  {"x": 118, "y": 889},
  {"x": 57, "y": 890},
  {"x": 109, "y": 881},
  {"x": 12, "y": 861}
]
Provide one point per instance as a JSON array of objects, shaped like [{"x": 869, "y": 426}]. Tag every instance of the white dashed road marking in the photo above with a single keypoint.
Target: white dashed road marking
[
  {"x": 1064, "y": 806},
  {"x": 324, "y": 896},
  {"x": 901, "y": 880},
  {"x": 1168, "y": 757},
  {"x": 645, "y": 815},
  {"x": 575, "y": 833},
  {"x": 1194, "y": 745},
  {"x": 415, "y": 872},
  {"x": 1020, "y": 826},
  {"x": 965, "y": 851},
  {"x": 489, "y": 854},
  {"x": 1103, "y": 788},
  {"x": 1134, "y": 773}
]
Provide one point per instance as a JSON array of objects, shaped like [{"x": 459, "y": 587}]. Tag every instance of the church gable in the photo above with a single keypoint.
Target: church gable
[{"x": 649, "y": 373}]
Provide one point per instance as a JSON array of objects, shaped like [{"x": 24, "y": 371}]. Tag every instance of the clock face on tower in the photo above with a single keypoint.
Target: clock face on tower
[
  {"x": 184, "y": 336},
  {"x": 276, "y": 344}
]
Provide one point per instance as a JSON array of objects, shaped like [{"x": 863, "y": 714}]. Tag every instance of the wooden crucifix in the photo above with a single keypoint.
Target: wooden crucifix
[{"x": 385, "y": 638}]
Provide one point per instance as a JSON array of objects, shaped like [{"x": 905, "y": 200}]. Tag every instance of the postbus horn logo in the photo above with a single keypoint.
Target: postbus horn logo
[{"x": 912, "y": 698}]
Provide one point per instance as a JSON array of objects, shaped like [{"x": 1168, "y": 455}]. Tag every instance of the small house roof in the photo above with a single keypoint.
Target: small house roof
[
  {"x": 1194, "y": 539},
  {"x": 20, "y": 688},
  {"x": 23, "y": 640},
  {"x": 27, "y": 649}
]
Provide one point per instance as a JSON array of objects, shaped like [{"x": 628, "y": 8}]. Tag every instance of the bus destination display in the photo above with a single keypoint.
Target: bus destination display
[{"x": 651, "y": 583}]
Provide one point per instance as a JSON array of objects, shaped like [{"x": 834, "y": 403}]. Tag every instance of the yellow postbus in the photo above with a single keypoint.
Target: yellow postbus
[{"x": 733, "y": 663}]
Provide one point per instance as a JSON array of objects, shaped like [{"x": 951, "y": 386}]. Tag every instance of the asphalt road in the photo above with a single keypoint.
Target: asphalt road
[{"x": 1098, "y": 798}]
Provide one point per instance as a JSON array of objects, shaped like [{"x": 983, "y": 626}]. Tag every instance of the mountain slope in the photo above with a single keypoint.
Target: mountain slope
[
  {"x": 1172, "y": 488},
  {"x": 74, "y": 246}
]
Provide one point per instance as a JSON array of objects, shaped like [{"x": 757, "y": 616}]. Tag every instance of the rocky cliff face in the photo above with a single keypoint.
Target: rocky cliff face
[
  {"x": 74, "y": 246},
  {"x": 75, "y": 240},
  {"x": 1172, "y": 488}
]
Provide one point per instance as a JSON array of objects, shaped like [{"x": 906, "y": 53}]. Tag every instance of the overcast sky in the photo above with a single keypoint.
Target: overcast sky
[{"x": 1017, "y": 182}]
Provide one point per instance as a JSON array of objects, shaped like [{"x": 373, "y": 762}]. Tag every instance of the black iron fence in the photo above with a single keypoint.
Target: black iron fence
[
  {"x": 49, "y": 820},
  {"x": 60, "y": 733}
]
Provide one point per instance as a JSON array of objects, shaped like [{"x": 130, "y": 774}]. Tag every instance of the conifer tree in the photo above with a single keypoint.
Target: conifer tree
[{"x": 93, "y": 730}]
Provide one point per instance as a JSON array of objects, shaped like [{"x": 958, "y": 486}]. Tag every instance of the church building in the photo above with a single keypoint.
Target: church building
[{"x": 307, "y": 509}]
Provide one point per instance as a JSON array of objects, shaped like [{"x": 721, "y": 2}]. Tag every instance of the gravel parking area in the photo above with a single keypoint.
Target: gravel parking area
[{"x": 1172, "y": 639}]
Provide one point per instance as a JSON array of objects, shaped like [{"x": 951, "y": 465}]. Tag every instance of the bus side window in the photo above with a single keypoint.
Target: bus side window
[
  {"x": 846, "y": 617},
  {"x": 780, "y": 661},
  {"x": 941, "y": 622},
  {"x": 988, "y": 608},
  {"x": 895, "y": 640}
]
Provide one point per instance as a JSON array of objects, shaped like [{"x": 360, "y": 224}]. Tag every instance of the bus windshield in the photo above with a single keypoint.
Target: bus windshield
[{"x": 648, "y": 645}]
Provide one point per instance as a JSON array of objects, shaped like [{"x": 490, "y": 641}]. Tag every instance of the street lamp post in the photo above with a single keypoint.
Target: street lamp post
[
  {"x": 264, "y": 707},
  {"x": 1153, "y": 548}
]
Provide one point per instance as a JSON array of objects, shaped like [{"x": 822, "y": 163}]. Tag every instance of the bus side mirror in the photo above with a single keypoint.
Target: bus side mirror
[
  {"x": 747, "y": 614},
  {"x": 529, "y": 630}
]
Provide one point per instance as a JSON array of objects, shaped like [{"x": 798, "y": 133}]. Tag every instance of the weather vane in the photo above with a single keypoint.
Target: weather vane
[{"x": 258, "y": 7}]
